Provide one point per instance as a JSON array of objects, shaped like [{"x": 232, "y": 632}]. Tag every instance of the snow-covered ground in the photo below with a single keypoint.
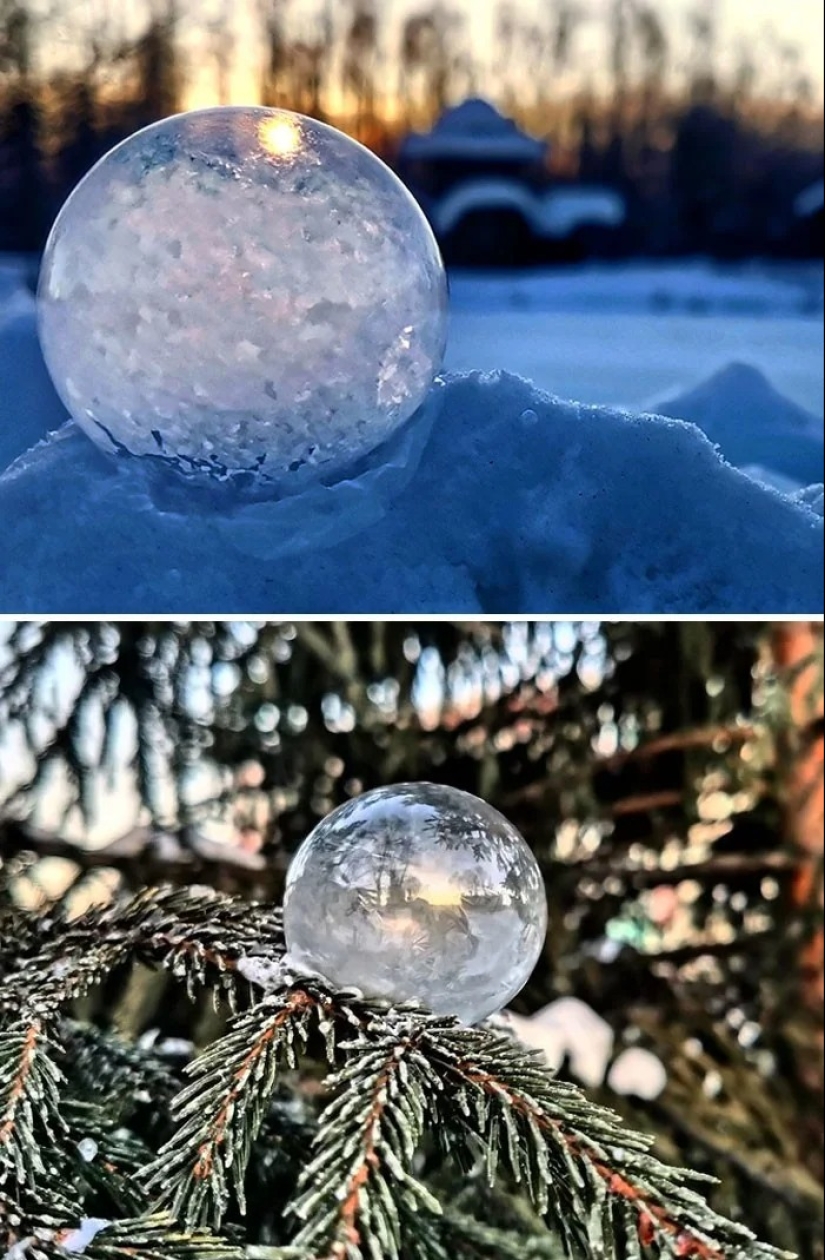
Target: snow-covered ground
[
  {"x": 627, "y": 336},
  {"x": 497, "y": 498}
]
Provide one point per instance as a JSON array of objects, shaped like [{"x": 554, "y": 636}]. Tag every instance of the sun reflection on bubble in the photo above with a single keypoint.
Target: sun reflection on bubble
[
  {"x": 433, "y": 887},
  {"x": 280, "y": 136}
]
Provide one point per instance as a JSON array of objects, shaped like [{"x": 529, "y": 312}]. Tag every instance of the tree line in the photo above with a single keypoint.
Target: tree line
[{"x": 685, "y": 125}]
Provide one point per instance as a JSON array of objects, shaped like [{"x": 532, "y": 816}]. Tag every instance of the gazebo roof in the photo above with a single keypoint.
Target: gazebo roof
[{"x": 474, "y": 129}]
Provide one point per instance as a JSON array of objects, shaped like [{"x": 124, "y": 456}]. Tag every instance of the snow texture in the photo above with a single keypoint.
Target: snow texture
[
  {"x": 77, "y": 1240},
  {"x": 501, "y": 499},
  {"x": 697, "y": 287},
  {"x": 266, "y": 973},
  {"x": 29, "y": 406},
  {"x": 494, "y": 497}
]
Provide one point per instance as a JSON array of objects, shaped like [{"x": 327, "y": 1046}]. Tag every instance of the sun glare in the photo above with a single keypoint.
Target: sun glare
[{"x": 280, "y": 137}]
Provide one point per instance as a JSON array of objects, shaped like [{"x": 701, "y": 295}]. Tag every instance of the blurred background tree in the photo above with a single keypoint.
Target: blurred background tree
[{"x": 667, "y": 776}]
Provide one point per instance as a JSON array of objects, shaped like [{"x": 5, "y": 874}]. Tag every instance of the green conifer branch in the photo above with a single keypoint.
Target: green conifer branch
[
  {"x": 222, "y": 1109},
  {"x": 195, "y": 933},
  {"x": 572, "y": 1154},
  {"x": 29, "y": 1099},
  {"x": 355, "y": 1192},
  {"x": 404, "y": 1079},
  {"x": 104, "y": 1067}
]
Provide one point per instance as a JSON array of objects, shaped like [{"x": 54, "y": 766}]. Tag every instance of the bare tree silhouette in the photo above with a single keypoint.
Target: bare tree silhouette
[
  {"x": 360, "y": 62},
  {"x": 430, "y": 56},
  {"x": 16, "y": 41},
  {"x": 703, "y": 36},
  {"x": 221, "y": 44}
]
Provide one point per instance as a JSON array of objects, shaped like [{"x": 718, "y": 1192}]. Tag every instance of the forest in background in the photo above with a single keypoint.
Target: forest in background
[
  {"x": 709, "y": 145},
  {"x": 668, "y": 778}
]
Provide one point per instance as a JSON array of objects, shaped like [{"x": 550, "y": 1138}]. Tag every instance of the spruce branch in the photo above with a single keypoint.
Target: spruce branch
[
  {"x": 29, "y": 1099},
  {"x": 403, "y": 1078},
  {"x": 103, "y": 1157},
  {"x": 355, "y": 1191},
  {"x": 101, "y": 1066},
  {"x": 586, "y": 1171},
  {"x": 195, "y": 933},
  {"x": 570, "y": 1153},
  {"x": 223, "y": 1107},
  {"x": 457, "y": 1233},
  {"x": 183, "y": 931}
]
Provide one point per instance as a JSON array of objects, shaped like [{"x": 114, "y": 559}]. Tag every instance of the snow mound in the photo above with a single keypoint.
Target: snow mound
[
  {"x": 510, "y": 501},
  {"x": 753, "y": 423},
  {"x": 767, "y": 477}
]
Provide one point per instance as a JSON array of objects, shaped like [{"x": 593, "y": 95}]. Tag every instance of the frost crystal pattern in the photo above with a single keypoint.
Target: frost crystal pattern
[
  {"x": 418, "y": 891},
  {"x": 244, "y": 293}
]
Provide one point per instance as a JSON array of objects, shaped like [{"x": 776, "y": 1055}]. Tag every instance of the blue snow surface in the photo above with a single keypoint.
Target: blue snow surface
[{"x": 498, "y": 498}]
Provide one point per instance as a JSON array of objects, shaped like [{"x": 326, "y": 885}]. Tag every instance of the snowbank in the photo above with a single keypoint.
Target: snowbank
[{"x": 509, "y": 501}]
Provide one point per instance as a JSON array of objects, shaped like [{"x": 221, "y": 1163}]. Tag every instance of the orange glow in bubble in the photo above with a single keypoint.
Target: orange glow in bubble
[{"x": 280, "y": 136}]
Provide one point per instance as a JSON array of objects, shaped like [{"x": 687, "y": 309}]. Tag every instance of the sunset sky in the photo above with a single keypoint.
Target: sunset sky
[
  {"x": 763, "y": 25},
  {"x": 739, "y": 21}
]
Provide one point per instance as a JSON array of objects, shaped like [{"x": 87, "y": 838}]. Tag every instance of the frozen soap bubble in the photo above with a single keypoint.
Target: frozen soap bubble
[
  {"x": 244, "y": 293},
  {"x": 418, "y": 891}
]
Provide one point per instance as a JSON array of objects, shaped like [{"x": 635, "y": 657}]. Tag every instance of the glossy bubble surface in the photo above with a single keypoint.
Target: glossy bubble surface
[
  {"x": 418, "y": 891},
  {"x": 244, "y": 293}
]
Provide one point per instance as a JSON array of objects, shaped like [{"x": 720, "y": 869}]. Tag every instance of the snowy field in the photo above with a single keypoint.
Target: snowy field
[
  {"x": 497, "y": 498},
  {"x": 630, "y": 337}
]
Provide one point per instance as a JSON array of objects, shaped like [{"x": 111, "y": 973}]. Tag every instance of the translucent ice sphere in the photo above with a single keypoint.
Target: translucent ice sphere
[
  {"x": 245, "y": 293},
  {"x": 418, "y": 891}
]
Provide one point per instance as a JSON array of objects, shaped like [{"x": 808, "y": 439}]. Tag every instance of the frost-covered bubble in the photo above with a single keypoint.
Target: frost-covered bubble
[
  {"x": 418, "y": 891},
  {"x": 245, "y": 293}
]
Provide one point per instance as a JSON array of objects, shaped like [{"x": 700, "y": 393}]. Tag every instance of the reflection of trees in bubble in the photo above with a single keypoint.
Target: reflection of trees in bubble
[{"x": 389, "y": 850}]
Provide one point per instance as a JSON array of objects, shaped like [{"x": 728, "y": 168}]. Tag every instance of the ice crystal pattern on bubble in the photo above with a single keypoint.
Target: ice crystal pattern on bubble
[
  {"x": 418, "y": 891},
  {"x": 242, "y": 291}
]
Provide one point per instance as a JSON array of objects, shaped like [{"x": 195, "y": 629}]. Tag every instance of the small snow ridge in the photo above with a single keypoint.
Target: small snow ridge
[
  {"x": 812, "y": 497},
  {"x": 739, "y": 390}
]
